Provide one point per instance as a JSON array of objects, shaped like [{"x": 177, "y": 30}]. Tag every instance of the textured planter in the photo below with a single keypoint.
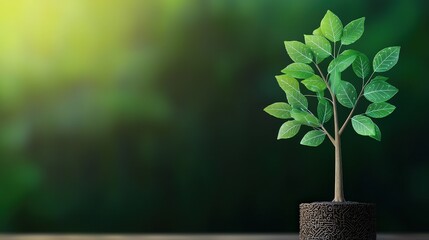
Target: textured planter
[{"x": 337, "y": 221}]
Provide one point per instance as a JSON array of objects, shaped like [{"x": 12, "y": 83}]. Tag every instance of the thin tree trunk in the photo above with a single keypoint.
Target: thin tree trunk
[{"x": 339, "y": 193}]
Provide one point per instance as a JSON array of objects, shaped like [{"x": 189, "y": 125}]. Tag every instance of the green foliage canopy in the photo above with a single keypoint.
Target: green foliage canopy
[{"x": 325, "y": 44}]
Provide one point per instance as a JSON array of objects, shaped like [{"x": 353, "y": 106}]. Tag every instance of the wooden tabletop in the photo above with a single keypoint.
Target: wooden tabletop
[{"x": 190, "y": 237}]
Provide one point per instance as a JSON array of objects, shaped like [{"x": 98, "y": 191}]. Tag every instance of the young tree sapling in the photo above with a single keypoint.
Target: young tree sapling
[{"x": 326, "y": 43}]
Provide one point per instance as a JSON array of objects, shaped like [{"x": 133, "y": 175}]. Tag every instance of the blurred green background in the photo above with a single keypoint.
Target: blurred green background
[{"x": 146, "y": 116}]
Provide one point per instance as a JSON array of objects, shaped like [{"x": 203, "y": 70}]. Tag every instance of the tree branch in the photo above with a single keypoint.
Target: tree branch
[
  {"x": 325, "y": 80},
  {"x": 350, "y": 115},
  {"x": 329, "y": 135},
  {"x": 339, "y": 49},
  {"x": 354, "y": 107}
]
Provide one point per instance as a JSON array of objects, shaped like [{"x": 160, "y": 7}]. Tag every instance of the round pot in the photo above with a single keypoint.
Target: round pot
[{"x": 337, "y": 221}]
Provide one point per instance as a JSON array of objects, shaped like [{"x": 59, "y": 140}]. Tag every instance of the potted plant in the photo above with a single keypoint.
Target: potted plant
[{"x": 339, "y": 219}]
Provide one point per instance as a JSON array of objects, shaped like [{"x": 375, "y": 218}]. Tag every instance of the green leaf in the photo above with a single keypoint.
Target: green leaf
[
  {"x": 298, "y": 70},
  {"x": 313, "y": 138},
  {"x": 341, "y": 63},
  {"x": 331, "y": 27},
  {"x": 318, "y": 32},
  {"x": 299, "y": 52},
  {"x": 319, "y": 46},
  {"x": 350, "y": 52},
  {"x": 361, "y": 66},
  {"x": 320, "y": 95},
  {"x": 335, "y": 80},
  {"x": 304, "y": 118},
  {"x": 385, "y": 59},
  {"x": 377, "y": 135},
  {"x": 279, "y": 110},
  {"x": 363, "y": 125},
  {"x": 288, "y": 130},
  {"x": 380, "y": 78},
  {"x": 379, "y": 110},
  {"x": 293, "y": 94},
  {"x": 379, "y": 91},
  {"x": 346, "y": 94},
  {"x": 353, "y": 31},
  {"x": 314, "y": 83},
  {"x": 324, "y": 110}
]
